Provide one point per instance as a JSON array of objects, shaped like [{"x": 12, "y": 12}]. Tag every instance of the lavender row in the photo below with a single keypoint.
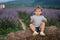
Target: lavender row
[
  {"x": 12, "y": 13},
  {"x": 9, "y": 14},
  {"x": 50, "y": 13}
]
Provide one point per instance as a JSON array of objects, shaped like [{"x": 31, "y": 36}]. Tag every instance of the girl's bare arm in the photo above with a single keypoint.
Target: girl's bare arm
[
  {"x": 31, "y": 21},
  {"x": 45, "y": 20}
]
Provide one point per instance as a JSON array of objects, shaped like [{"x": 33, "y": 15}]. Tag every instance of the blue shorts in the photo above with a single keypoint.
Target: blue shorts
[{"x": 38, "y": 29}]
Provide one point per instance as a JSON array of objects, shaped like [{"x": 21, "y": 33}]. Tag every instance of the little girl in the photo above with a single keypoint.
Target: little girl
[{"x": 38, "y": 22}]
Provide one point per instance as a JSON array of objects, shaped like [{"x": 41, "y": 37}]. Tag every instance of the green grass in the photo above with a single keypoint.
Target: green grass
[
  {"x": 7, "y": 26},
  {"x": 6, "y": 31},
  {"x": 25, "y": 17}
]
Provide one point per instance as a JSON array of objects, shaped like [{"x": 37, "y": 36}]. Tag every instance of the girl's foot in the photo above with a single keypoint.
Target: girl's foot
[
  {"x": 42, "y": 33},
  {"x": 35, "y": 33}
]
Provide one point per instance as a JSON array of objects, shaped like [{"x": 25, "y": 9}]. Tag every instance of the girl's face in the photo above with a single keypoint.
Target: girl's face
[{"x": 38, "y": 11}]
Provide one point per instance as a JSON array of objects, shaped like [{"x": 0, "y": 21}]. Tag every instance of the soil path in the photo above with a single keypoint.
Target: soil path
[{"x": 23, "y": 24}]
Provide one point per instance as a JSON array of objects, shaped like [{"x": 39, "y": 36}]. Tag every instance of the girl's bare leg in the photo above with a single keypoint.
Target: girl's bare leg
[
  {"x": 42, "y": 26},
  {"x": 32, "y": 27}
]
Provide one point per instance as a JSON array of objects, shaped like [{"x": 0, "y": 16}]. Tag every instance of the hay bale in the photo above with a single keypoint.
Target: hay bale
[
  {"x": 52, "y": 33},
  {"x": 19, "y": 35},
  {"x": 51, "y": 30},
  {"x": 11, "y": 36}
]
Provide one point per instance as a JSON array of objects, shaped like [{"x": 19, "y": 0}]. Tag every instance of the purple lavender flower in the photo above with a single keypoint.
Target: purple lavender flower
[{"x": 9, "y": 14}]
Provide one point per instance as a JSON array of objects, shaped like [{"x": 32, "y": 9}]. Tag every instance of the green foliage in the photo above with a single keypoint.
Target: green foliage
[
  {"x": 4, "y": 24},
  {"x": 25, "y": 18},
  {"x": 53, "y": 22},
  {"x": 7, "y": 26}
]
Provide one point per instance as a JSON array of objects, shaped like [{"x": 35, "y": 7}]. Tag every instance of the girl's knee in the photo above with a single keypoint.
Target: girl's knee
[
  {"x": 31, "y": 25},
  {"x": 43, "y": 23}
]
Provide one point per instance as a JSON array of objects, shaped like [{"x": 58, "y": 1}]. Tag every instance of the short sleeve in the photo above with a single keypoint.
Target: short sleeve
[
  {"x": 31, "y": 17},
  {"x": 43, "y": 18}
]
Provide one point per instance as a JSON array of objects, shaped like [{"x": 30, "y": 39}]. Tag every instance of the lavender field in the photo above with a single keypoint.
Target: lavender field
[
  {"x": 53, "y": 15},
  {"x": 9, "y": 21},
  {"x": 9, "y": 17},
  {"x": 12, "y": 14},
  {"x": 50, "y": 13}
]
